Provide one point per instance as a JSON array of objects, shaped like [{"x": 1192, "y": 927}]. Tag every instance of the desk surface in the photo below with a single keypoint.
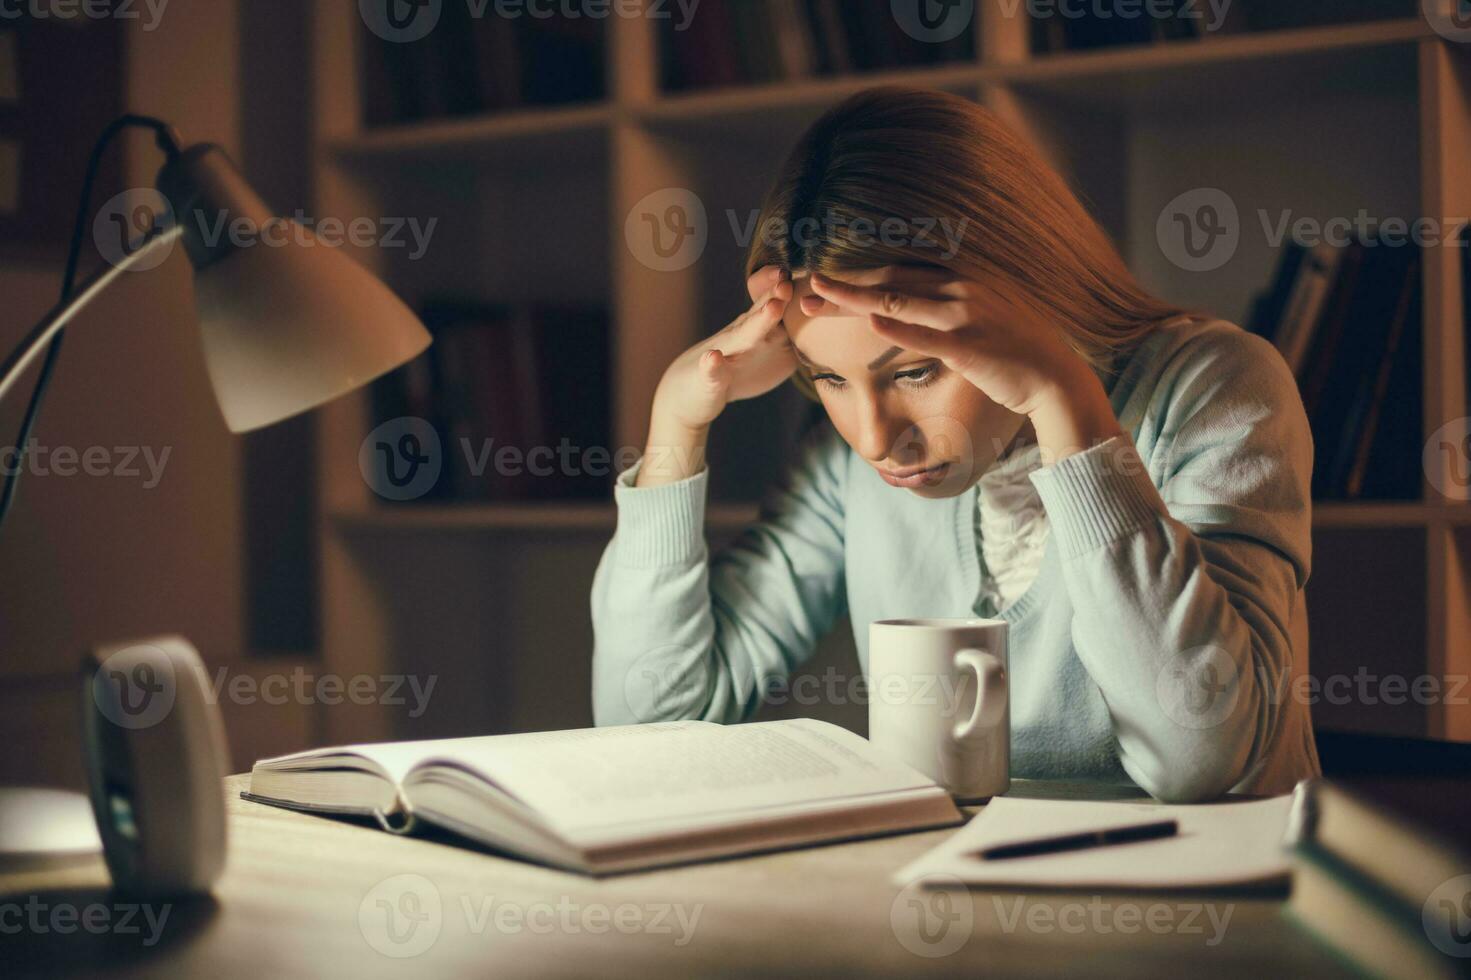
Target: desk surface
[{"x": 305, "y": 895}]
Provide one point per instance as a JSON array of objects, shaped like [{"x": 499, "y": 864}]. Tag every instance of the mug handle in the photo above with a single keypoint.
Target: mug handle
[{"x": 991, "y": 693}]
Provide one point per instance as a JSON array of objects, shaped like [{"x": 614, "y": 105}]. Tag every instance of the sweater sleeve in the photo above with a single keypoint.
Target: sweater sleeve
[
  {"x": 1183, "y": 591},
  {"x": 681, "y": 634}
]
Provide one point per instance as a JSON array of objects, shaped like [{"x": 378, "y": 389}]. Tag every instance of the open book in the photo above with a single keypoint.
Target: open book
[{"x": 603, "y": 800}]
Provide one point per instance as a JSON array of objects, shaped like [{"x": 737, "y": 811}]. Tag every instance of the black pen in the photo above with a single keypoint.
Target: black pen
[{"x": 1081, "y": 841}]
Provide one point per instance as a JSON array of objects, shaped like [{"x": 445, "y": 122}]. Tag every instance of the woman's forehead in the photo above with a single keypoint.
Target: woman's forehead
[{"x": 832, "y": 340}]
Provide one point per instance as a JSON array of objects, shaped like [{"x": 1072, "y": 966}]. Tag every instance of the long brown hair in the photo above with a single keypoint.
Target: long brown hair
[{"x": 921, "y": 157}]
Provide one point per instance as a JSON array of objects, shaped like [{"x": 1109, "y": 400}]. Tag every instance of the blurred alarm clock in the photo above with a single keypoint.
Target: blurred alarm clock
[{"x": 155, "y": 756}]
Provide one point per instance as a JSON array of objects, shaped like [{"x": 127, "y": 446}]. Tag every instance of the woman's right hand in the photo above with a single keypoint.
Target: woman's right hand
[{"x": 749, "y": 357}]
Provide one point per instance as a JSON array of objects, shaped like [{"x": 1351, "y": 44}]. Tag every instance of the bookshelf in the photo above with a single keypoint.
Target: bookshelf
[{"x": 1281, "y": 118}]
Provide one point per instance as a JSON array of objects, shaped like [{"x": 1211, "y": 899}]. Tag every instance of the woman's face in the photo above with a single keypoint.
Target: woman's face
[{"x": 922, "y": 426}]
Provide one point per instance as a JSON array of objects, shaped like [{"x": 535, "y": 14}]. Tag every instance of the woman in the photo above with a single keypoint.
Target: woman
[{"x": 1014, "y": 428}]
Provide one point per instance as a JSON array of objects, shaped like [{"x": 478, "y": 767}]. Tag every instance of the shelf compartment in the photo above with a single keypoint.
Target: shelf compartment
[
  {"x": 717, "y": 109},
  {"x": 510, "y": 137},
  {"x": 1211, "y": 74},
  {"x": 1360, "y": 637}
]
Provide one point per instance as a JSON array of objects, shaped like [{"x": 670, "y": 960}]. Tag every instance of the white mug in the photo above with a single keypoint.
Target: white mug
[{"x": 938, "y": 701}]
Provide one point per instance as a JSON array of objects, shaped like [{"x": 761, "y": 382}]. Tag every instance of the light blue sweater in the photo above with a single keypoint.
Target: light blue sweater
[{"x": 1159, "y": 642}]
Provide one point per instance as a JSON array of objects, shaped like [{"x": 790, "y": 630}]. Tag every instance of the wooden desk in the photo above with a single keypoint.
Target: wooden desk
[{"x": 290, "y": 902}]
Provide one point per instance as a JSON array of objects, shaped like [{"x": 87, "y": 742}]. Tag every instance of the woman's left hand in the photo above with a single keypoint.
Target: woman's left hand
[{"x": 1024, "y": 365}]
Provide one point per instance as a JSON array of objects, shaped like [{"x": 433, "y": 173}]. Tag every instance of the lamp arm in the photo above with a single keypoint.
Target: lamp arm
[
  {"x": 168, "y": 142},
  {"x": 42, "y": 333}
]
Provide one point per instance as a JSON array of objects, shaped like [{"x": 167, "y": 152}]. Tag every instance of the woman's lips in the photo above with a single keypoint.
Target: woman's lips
[{"x": 915, "y": 478}]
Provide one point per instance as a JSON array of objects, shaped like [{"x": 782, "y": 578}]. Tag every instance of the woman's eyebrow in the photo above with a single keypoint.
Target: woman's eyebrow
[{"x": 885, "y": 358}]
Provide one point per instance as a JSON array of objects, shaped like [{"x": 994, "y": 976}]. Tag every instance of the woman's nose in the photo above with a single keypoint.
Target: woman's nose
[{"x": 882, "y": 436}]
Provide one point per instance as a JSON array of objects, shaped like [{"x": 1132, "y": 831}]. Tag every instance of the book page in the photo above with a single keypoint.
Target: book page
[
  {"x": 389, "y": 759},
  {"x": 634, "y": 774}
]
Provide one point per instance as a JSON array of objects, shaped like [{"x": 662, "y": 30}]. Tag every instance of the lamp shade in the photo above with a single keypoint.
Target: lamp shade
[
  {"x": 287, "y": 322},
  {"x": 288, "y": 328}
]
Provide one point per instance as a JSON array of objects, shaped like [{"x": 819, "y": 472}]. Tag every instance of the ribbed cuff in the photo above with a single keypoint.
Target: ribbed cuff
[
  {"x": 662, "y": 525},
  {"x": 1097, "y": 496}
]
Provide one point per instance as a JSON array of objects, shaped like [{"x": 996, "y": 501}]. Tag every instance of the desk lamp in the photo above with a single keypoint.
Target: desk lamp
[{"x": 284, "y": 329}]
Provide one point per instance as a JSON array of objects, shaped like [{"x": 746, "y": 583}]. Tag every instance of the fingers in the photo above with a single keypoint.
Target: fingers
[
  {"x": 930, "y": 282},
  {"x": 754, "y": 327},
  {"x": 890, "y": 299},
  {"x": 771, "y": 290},
  {"x": 947, "y": 345},
  {"x": 814, "y": 305},
  {"x": 762, "y": 318},
  {"x": 766, "y": 279},
  {"x": 715, "y": 370}
]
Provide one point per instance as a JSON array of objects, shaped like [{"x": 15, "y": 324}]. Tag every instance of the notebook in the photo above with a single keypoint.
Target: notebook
[{"x": 1219, "y": 845}]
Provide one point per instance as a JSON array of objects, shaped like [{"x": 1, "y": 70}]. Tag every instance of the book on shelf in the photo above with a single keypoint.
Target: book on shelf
[
  {"x": 747, "y": 42},
  {"x": 474, "y": 63},
  {"x": 1381, "y": 873},
  {"x": 754, "y": 36},
  {"x": 497, "y": 61},
  {"x": 1347, "y": 320},
  {"x": 1266, "y": 309},
  {"x": 1380, "y": 461},
  {"x": 519, "y": 395},
  {"x": 1353, "y": 418},
  {"x": 483, "y": 373},
  {"x": 796, "y": 43},
  {"x": 826, "y": 18},
  {"x": 562, "y": 59},
  {"x": 1323, "y": 342},
  {"x": 1315, "y": 278},
  {"x": 1078, "y": 29},
  {"x": 1274, "y": 15},
  {"x": 607, "y": 800}
]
